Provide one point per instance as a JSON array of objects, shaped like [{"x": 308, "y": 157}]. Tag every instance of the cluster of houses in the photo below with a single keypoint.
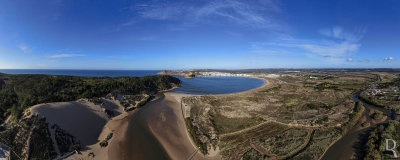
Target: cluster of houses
[
  {"x": 373, "y": 90},
  {"x": 224, "y": 74},
  {"x": 238, "y": 74}
]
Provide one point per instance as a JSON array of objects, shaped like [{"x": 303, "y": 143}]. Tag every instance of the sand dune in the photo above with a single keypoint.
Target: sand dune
[
  {"x": 83, "y": 120},
  {"x": 155, "y": 131}
]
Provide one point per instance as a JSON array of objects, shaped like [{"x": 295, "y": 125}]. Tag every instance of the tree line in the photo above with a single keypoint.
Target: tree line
[{"x": 18, "y": 92}]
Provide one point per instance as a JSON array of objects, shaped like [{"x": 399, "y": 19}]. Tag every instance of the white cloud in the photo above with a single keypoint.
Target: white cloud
[
  {"x": 66, "y": 55},
  {"x": 341, "y": 49},
  {"x": 340, "y": 46},
  {"x": 24, "y": 48},
  {"x": 340, "y": 34},
  {"x": 349, "y": 60},
  {"x": 250, "y": 13},
  {"x": 388, "y": 59}
]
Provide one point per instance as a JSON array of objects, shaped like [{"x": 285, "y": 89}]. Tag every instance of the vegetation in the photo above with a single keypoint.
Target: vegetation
[
  {"x": 226, "y": 125},
  {"x": 30, "y": 133},
  {"x": 353, "y": 117},
  {"x": 41, "y": 146},
  {"x": 378, "y": 115},
  {"x": 104, "y": 143},
  {"x": 375, "y": 146},
  {"x": 192, "y": 132},
  {"x": 65, "y": 141},
  {"x": 252, "y": 155},
  {"x": 386, "y": 96},
  {"x": 321, "y": 140},
  {"x": 260, "y": 123},
  {"x": 19, "y": 92},
  {"x": 271, "y": 139}
]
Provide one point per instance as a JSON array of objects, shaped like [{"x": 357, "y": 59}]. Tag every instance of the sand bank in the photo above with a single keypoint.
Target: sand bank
[
  {"x": 156, "y": 131},
  {"x": 84, "y": 120}
]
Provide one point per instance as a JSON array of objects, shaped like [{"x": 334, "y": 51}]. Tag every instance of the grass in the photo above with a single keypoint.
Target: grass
[
  {"x": 318, "y": 104},
  {"x": 354, "y": 117},
  {"x": 227, "y": 125},
  {"x": 321, "y": 140},
  {"x": 288, "y": 142},
  {"x": 202, "y": 146},
  {"x": 252, "y": 155},
  {"x": 276, "y": 139}
]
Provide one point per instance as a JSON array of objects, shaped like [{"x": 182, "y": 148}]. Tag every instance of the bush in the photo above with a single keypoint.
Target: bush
[
  {"x": 103, "y": 143},
  {"x": 378, "y": 115},
  {"x": 354, "y": 117}
]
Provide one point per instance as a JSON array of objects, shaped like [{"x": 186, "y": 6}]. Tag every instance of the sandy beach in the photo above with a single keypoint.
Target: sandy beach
[
  {"x": 84, "y": 120},
  {"x": 162, "y": 135},
  {"x": 156, "y": 131}
]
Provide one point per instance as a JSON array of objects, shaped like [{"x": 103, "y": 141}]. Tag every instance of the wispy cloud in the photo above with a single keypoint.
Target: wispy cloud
[
  {"x": 335, "y": 46},
  {"x": 24, "y": 48},
  {"x": 331, "y": 49},
  {"x": 256, "y": 13},
  {"x": 339, "y": 33},
  {"x": 66, "y": 55}
]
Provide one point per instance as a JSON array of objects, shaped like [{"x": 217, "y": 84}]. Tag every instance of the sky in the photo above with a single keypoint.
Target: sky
[{"x": 199, "y": 34}]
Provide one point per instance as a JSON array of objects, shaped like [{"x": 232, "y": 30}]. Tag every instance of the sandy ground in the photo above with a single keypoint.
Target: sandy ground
[
  {"x": 84, "y": 120},
  {"x": 155, "y": 131}
]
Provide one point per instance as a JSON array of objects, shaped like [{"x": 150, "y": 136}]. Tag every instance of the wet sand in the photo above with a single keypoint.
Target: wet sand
[
  {"x": 82, "y": 119},
  {"x": 156, "y": 131}
]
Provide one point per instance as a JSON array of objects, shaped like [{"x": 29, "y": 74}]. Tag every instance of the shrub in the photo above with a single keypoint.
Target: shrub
[{"x": 378, "y": 115}]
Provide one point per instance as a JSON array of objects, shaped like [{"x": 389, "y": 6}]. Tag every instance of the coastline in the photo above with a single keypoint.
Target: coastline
[
  {"x": 155, "y": 131},
  {"x": 162, "y": 118}
]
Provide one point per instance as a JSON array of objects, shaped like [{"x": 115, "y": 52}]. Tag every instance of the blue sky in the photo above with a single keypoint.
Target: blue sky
[{"x": 196, "y": 34}]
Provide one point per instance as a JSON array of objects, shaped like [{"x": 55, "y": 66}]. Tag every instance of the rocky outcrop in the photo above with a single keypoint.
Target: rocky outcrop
[{"x": 186, "y": 74}]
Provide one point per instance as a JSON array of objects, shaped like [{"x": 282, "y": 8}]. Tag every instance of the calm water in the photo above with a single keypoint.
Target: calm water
[
  {"x": 200, "y": 85},
  {"x": 218, "y": 85}
]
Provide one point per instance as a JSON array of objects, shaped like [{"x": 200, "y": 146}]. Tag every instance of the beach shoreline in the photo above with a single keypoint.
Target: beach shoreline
[
  {"x": 164, "y": 118},
  {"x": 156, "y": 130}
]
